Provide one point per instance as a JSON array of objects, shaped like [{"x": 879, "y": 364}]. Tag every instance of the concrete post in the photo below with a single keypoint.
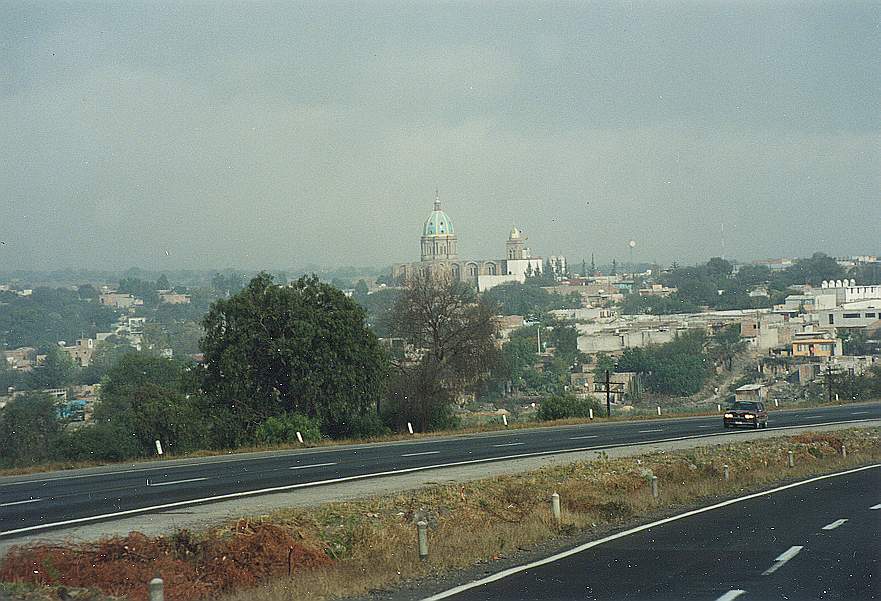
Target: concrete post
[
  {"x": 776, "y": 404},
  {"x": 555, "y": 508},
  {"x": 299, "y": 438},
  {"x": 726, "y": 475},
  {"x": 422, "y": 532},
  {"x": 590, "y": 411},
  {"x": 654, "y": 481},
  {"x": 410, "y": 427},
  {"x": 158, "y": 448},
  {"x": 659, "y": 410},
  {"x": 157, "y": 592},
  {"x": 843, "y": 452},
  {"x": 719, "y": 407},
  {"x": 505, "y": 420},
  {"x": 791, "y": 459}
]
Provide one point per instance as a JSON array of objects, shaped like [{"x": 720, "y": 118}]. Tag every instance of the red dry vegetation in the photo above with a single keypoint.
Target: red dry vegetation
[
  {"x": 239, "y": 557},
  {"x": 813, "y": 438}
]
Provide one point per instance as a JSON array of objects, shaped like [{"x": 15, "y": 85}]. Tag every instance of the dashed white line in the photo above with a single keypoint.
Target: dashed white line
[
  {"x": 833, "y": 525},
  {"x": 732, "y": 594},
  {"x": 11, "y": 503},
  {"x": 705, "y": 426},
  {"x": 812, "y": 416},
  {"x": 647, "y": 431},
  {"x": 303, "y": 467},
  {"x": 580, "y": 437},
  {"x": 509, "y": 444},
  {"x": 878, "y": 506},
  {"x": 783, "y": 558},
  {"x": 858, "y": 412},
  {"x": 175, "y": 482},
  {"x": 422, "y": 453}
]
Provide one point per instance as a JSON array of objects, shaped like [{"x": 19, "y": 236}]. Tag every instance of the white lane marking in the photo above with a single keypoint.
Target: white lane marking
[
  {"x": 878, "y": 506},
  {"x": 833, "y": 525},
  {"x": 11, "y": 503},
  {"x": 509, "y": 444},
  {"x": 580, "y": 437},
  {"x": 303, "y": 467},
  {"x": 647, "y": 431},
  {"x": 422, "y": 453},
  {"x": 261, "y": 455},
  {"x": 705, "y": 426},
  {"x": 730, "y": 595},
  {"x": 783, "y": 558},
  {"x": 812, "y": 416},
  {"x": 408, "y": 470},
  {"x": 174, "y": 482},
  {"x": 581, "y": 548},
  {"x": 858, "y": 412}
]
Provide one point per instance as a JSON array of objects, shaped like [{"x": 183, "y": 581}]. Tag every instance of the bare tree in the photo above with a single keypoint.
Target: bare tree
[{"x": 452, "y": 335}]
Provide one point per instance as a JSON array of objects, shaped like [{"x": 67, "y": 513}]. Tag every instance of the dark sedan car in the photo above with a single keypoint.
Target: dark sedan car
[{"x": 746, "y": 413}]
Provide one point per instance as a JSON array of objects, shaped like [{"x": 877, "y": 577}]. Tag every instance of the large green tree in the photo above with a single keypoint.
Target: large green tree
[
  {"x": 29, "y": 429},
  {"x": 58, "y": 370},
  {"x": 302, "y": 348},
  {"x": 147, "y": 398}
]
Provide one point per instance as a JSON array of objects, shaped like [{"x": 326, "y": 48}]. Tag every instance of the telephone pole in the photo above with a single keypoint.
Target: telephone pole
[{"x": 609, "y": 387}]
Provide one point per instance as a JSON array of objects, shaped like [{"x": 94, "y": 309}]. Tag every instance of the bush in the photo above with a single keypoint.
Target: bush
[
  {"x": 283, "y": 429},
  {"x": 367, "y": 426},
  {"x": 562, "y": 407},
  {"x": 101, "y": 442}
]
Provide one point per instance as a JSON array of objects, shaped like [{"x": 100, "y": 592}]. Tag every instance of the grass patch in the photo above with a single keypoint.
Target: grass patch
[{"x": 370, "y": 544}]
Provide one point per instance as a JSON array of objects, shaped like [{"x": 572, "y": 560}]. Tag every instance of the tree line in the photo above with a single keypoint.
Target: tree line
[{"x": 278, "y": 360}]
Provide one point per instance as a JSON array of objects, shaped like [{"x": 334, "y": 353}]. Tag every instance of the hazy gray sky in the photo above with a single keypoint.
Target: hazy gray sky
[{"x": 275, "y": 135}]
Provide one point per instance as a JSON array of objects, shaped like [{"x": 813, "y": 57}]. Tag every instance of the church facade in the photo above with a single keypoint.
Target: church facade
[{"x": 440, "y": 256}]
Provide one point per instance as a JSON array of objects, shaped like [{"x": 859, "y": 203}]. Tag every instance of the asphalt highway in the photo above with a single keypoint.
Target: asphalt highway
[
  {"x": 41, "y": 502},
  {"x": 818, "y": 540}
]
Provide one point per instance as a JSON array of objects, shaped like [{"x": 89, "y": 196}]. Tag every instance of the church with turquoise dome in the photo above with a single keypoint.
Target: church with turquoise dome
[{"x": 440, "y": 256}]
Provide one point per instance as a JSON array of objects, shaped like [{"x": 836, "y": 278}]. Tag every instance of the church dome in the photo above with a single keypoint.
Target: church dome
[
  {"x": 438, "y": 223},
  {"x": 515, "y": 234}
]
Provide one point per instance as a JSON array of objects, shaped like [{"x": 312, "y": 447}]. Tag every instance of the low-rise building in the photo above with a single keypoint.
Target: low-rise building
[
  {"x": 658, "y": 290},
  {"x": 119, "y": 300},
  {"x": 173, "y": 298},
  {"x": 751, "y": 392},
  {"x": 81, "y": 351}
]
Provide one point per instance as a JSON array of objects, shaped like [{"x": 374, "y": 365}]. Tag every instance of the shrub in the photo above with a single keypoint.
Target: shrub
[
  {"x": 101, "y": 442},
  {"x": 29, "y": 428},
  {"x": 367, "y": 426},
  {"x": 284, "y": 428},
  {"x": 562, "y": 407}
]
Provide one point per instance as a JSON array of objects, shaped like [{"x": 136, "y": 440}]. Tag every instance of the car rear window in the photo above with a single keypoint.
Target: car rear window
[{"x": 744, "y": 405}]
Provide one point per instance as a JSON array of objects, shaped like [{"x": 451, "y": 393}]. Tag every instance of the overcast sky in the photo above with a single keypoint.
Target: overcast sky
[{"x": 203, "y": 135}]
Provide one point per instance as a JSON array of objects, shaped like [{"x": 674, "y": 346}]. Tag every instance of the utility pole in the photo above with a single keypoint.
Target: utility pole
[
  {"x": 829, "y": 380},
  {"x": 539, "y": 338},
  {"x": 609, "y": 387}
]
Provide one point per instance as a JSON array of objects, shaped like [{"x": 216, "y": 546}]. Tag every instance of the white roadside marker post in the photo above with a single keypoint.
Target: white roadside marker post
[
  {"x": 158, "y": 447},
  {"x": 719, "y": 407},
  {"x": 156, "y": 588},
  {"x": 843, "y": 452},
  {"x": 299, "y": 438},
  {"x": 555, "y": 508},
  {"x": 422, "y": 534},
  {"x": 410, "y": 427},
  {"x": 726, "y": 475},
  {"x": 505, "y": 420},
  {"x": 776, "y": 404},
  {"x": 659, "y": 410},
  {"x": 590, "y": 412},
  {"x": 791, "y": 459},
  {"x": 654, "y": 482}
]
